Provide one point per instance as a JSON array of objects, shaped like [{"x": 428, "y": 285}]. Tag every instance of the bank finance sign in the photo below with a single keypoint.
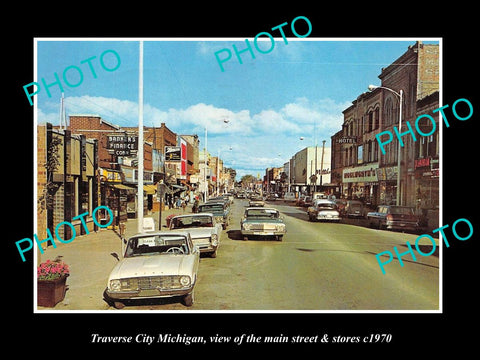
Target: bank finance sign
[{"x": 122, "y": 145}]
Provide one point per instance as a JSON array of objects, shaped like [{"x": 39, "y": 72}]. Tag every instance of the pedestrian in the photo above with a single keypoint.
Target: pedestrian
[
  {"x": 184, "y": 205},
  {"x": 178, "y": 203}
]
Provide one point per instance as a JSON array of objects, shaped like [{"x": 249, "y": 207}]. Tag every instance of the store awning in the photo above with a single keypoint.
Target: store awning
[
  {"x": 122, "y": 187},
  {"x": 150, "y": 189}
]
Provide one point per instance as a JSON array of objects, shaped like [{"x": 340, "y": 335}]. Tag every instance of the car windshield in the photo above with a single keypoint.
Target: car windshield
[
  {"x": 211, "y": 208},
  {"x": 401, "y": 210},
  {"x": 191, "y": 221},
  {"x": 157, "y": 245},
  {"x": 262, "y": 214}
]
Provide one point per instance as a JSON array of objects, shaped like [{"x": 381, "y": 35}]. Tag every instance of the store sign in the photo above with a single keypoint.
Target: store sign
[
  {"x": 122, "y": 145},
  {"x": 422, "y": 163},
  {"x": 365, "y": 173},
  {"x": 110, "y": 176},
  {"x": 387, "y": 173},
  {"x": 173, "y": 153}
]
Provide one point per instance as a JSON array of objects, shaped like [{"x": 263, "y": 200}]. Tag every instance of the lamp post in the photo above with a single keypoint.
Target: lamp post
[{"x": 400, "y": 97}]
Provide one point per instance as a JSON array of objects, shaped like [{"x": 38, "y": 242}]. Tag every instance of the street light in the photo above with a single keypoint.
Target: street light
[{"x": 400, "y": 97}]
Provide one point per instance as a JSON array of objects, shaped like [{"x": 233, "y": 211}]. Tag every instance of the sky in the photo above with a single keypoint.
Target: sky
[{"x": 255, "y": 112}]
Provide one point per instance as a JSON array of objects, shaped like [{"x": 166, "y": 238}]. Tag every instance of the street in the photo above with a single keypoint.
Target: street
[{"x": 317, "y": 266}]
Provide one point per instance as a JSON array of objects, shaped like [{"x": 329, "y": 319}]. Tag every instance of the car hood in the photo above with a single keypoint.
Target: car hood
[
  {"x": 196, "y": 233},
  {"x": 151, "y": 265}
]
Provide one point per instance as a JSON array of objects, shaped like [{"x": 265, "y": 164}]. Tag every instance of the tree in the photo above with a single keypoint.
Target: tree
[{"x": 246, "y": 180}]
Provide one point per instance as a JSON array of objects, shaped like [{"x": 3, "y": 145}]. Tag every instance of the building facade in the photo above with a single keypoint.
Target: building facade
[
  {"x": 66, "y": 180},
  {"x": 371, "y": 175}
]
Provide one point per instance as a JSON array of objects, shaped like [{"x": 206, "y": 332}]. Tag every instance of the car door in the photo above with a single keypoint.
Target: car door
[{"x": 374, "y": 217}]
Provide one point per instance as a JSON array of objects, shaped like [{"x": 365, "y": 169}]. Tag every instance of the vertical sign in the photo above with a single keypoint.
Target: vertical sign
[{"x": 183, "y": 163}]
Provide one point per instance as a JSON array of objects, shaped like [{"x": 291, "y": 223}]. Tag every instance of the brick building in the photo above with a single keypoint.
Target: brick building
[{"x": 369, "y": 174}]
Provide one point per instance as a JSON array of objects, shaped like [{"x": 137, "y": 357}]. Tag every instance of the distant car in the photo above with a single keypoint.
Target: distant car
[
  {"x": 301, "y": 200},
  {"x": 323, "y": 209},
  {"x": 155, "y": 265},
  {"x": 393, "y": 217},
  {"x": 271, "y": 197},
  {"x": 308, "y": 201},
  {"x": 256, "y": 200},
  {"x": 289, "y": 196},
  {"x": 354, "y": 209},
  {"x": 219, "y": 209},
  {"x": 262, "y": 222},
  {"x": 204, "y": 230}
]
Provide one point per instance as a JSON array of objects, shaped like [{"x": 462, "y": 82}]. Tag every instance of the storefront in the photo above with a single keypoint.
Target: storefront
[
  {"x": 130, "y": 180},
  {"x": 114, "y": 195},
  {"x": 427, "y": 190},
  {"x": 361, "y": 183},
  {"x": 387, "y": 180}
]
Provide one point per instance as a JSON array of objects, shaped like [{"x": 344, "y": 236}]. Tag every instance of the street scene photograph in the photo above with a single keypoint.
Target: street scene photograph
[{"x": 276, "y": 173}]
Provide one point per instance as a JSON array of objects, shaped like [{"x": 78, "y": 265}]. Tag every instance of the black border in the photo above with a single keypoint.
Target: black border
[{"x": 412, "y": 333}]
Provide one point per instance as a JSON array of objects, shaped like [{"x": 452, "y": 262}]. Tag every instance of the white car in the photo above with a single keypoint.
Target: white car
[
  {"x": 155, "y": 265},
  {"x": 204, "y": 229},
  {"x": 323, "y": 209}
]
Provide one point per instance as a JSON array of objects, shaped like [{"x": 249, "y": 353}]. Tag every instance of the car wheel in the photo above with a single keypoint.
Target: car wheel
[
  {"x": 279, "y": 237},
  {"x": 118, "y": 305},
  {"x": 189, "y": 299},
  {"x": 245, "y": 238},
  {"x": 213, "y": 254}
]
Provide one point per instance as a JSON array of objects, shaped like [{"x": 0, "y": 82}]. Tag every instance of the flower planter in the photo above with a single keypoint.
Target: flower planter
[{"x": 51, "y": 292}]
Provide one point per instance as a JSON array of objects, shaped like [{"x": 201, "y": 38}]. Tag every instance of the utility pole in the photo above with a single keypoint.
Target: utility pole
[{"x": 140, "y": 141}]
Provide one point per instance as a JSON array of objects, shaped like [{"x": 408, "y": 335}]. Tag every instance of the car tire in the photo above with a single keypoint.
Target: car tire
[
  {"x": 245, "y": 238},
  {"x": 189, "y": 299},
  {"x": 279, "y": 237},
  {"x": 118, "y": 305},
  {"x": 213, "y": 254}
]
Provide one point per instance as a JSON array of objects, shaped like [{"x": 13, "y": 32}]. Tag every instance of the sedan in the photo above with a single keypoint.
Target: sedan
[{"x": 155, "y": 265}]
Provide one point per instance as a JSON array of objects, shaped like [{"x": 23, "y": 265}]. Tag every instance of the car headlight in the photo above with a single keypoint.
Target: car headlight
[
  {"x": 115, "y": 285},
  {"x": 185, "y": 280},
  {"x": 219, "y": 218},
  {"x": 246, "y": 226},
  {"x": 280, "y": 227}
]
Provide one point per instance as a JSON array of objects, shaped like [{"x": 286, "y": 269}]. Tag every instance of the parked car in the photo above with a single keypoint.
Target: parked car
[
  {"x": 262, "y": 222},
  {"x": 301, "y": 200},
  {"x": 289, "y": 196},
  {"x": 308, "y": 201},
  {"x": 204, "y": 230},
  {"x": 355, "y": 209},
  {"x": 393, "y": 217},
  {"x": 256, "y": 200},
  {"x": 154, "y": 265},
  {"x": 271, "y": 197},
  {"x": 323, "y": 209},
  {"x": 219, "y": 209}
]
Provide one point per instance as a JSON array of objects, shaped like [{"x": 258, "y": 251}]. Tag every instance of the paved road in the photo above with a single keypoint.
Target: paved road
[{"x": 318, "y": 266}]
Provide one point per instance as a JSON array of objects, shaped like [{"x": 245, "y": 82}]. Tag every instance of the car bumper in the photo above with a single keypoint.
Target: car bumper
[
  {"x": 262, "y": 232},
  {"x": 147, "y": 293},
  {"x": 328, "y": 217},
  {"x": 394, "y": 225},
  {"x": 205, "y": 245}
]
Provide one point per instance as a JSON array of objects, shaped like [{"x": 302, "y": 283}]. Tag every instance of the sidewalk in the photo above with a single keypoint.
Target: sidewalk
[{"x": 90, "y": 261}]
